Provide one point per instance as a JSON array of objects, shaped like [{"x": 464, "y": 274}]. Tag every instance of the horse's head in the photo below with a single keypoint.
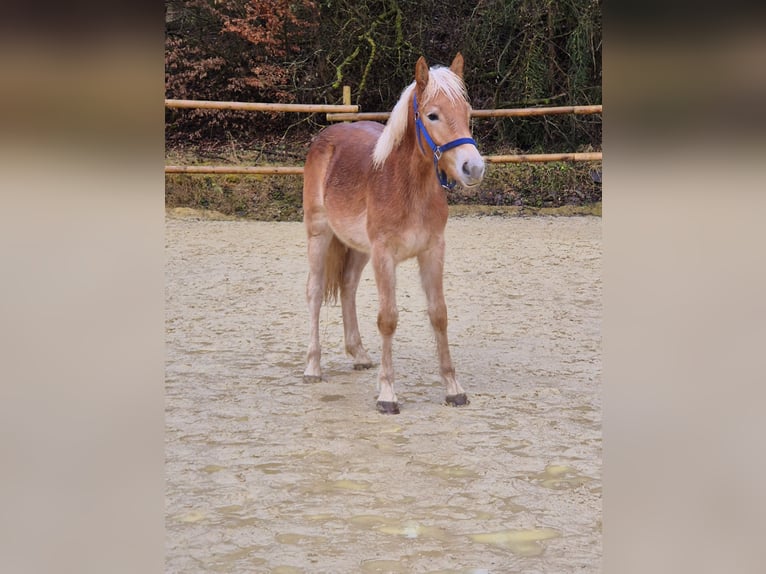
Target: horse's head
[{"x": 442, "y": 115}]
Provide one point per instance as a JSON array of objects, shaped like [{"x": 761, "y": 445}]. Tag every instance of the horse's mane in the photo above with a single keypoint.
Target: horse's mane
[{"x": 440, "y": 80}]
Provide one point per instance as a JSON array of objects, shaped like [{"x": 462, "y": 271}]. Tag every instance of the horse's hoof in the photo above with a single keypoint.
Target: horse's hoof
[
  {"x": 362, "y": 366},
  {"x": 458, "y": 400},
  {"x": 312, "y": 379},
  {"x": 387, "y": 407}
]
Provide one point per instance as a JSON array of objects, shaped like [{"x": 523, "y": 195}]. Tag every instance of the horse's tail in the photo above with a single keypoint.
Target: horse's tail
[{"x": 335, "y": 262}]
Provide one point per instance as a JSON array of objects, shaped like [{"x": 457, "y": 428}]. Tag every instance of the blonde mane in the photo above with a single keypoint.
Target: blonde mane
[{"x": 441, "y": 80}]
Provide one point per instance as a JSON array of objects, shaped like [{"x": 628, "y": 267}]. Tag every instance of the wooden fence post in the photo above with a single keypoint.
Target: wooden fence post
[{"x": 347, "y": 97}]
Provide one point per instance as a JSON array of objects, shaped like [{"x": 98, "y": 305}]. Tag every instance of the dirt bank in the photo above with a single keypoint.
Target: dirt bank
[{"x": 268, "y": 474}]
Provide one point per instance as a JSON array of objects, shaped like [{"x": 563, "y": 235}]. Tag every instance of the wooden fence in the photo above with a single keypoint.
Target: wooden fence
[
  {"x": 262, "y": 107},
  {"x": 349, "y": 112},
  {"x": 506, "y": 113}
]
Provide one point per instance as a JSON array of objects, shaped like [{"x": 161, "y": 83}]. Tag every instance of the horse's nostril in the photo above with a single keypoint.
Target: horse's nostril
[{"x": 475, "y": 170}]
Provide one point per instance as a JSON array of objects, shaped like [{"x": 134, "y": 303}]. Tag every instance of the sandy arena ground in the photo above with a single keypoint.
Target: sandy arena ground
[{"x": 266, "y": 473}]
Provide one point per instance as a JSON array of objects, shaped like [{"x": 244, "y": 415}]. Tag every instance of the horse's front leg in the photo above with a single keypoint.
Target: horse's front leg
[
  {"x": 431, "y": 275},
  {"x": 385, "y": 278}
]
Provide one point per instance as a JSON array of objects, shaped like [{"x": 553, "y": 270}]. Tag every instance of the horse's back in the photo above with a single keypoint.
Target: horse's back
[
  {"x": 359, "y": 132},
  {"x": 340, "y": 159},
  {"x": 337, "y": 177},
  {"x": 354, "y": 141}
]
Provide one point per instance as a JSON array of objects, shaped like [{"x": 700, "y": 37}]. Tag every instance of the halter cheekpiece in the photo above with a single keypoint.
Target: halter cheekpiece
[{"x": 438, "y": 150}]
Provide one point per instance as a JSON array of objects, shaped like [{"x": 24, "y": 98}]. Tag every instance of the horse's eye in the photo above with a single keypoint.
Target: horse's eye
[{"x": 433, "y": 117}]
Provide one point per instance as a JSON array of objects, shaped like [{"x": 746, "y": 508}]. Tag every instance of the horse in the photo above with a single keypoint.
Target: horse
[{"x": 378, "y": 193}]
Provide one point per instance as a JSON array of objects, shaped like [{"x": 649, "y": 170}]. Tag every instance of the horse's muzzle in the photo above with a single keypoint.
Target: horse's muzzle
[{"x": 472, "y": 171}]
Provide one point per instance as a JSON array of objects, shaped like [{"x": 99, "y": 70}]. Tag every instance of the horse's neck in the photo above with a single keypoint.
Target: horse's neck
[{"x": 413, "y": 168}]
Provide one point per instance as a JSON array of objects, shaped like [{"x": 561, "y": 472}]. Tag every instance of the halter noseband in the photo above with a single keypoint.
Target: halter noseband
[{"x": 438, "y": 150}]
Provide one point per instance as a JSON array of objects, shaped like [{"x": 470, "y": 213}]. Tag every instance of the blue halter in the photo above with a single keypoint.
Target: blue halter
[{"x": 438, "y": 150}]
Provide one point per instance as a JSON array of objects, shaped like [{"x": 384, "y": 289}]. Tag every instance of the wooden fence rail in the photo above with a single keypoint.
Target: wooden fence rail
[
  {"x": 506, "y": 113},
  {"x": 262, "y": 107},
  {"x": 543, "y": 157},
  {"x": 236, "y": 169},
  {"x": 298, "y": 170},
  {"x": 348, "y": 112}
]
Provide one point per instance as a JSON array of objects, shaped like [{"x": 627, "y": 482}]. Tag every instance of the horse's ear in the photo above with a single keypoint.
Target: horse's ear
[
  {"x": 421, "y": 73},
  {"x": 457, "y": 65}
]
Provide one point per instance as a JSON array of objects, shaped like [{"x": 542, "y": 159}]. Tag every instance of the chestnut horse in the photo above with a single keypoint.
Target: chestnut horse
[{"x": 375, "y": 192}]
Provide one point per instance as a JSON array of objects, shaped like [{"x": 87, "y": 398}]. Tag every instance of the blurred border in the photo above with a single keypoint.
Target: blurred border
[
  {"x": 81, "y": 300},
  {"x": 685, "y": 277}
]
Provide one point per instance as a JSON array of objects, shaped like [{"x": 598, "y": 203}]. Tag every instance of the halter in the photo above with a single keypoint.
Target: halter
[{"x": 438, "y": 150}]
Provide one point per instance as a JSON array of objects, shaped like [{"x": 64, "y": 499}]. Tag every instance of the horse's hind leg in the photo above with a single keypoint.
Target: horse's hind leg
[
  {"x": 352, "y": 272},
  {"x": 318, "y": 244},
  {"x": 431, "y": 275}
]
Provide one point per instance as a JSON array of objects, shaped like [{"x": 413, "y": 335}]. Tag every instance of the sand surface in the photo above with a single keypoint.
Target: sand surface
[{"x": 266, "y": 473}]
